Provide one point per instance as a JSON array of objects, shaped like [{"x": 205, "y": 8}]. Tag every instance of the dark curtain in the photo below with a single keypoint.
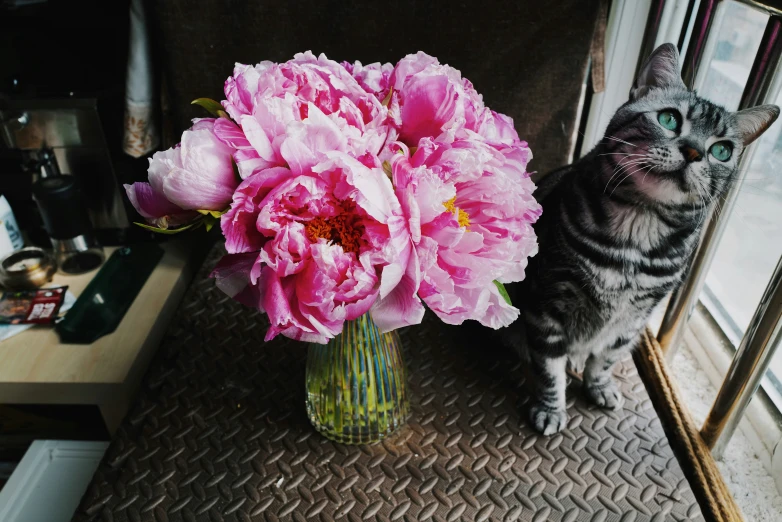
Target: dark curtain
[{"x": 527, "y": 58}]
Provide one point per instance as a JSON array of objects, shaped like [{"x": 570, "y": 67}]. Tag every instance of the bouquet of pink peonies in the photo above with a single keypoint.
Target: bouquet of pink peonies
[{"x": 343, "y": 189}]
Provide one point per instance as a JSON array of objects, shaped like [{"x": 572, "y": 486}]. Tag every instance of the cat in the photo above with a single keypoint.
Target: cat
[{"x": 617, "y": 231}]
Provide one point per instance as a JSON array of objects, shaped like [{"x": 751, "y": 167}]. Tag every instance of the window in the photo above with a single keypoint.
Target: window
[{"x": 752, "y": 244}]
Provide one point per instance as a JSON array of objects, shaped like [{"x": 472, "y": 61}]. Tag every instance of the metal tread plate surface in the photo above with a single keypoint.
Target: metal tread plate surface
[{"x": 219, "y": 432}]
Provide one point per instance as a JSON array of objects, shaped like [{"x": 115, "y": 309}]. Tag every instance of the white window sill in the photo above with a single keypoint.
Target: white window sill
[{"x": 713, "y": 353}]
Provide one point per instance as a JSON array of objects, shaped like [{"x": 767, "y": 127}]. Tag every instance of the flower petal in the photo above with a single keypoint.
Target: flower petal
[
  {"x": 196, "y": 192},
  {"x": 232, "y": 276},
  {"x": 148, "y": 203},
  {"x": 402, "y": 306},
  {"x": 308, "y": 141}
]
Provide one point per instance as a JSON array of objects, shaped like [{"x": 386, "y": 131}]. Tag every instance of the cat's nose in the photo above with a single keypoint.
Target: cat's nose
[{"x": 690, "y": 152}]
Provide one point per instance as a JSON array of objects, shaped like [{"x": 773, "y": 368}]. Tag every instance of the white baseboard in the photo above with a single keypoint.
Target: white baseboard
[{"x": 50, "y": 481}]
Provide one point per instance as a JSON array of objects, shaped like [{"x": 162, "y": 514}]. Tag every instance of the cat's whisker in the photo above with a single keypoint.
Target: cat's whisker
[
  {"x": 715, "y": 201},
  {"x": 620, "y": 169},
  {"x": 651, "y": 168},
  {"x": 625, "y": 178},
  {"x": 701, "y": 190},
  {"x": 625, "y": 157},
  {"x": 629, "y": 161},
  {"x": 732, "y": 177},
  {"x": 705, "y": 205},
  {"x": 632, "y": 163},
  {"x": 614, "y": 138},
  {"x": 642, "y": 163},
  {"x": 735, "y": 212},
  {"x": 624, "y": 164}
]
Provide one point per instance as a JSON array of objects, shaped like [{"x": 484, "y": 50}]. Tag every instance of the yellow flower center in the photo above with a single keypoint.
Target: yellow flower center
[
  {"x": 462, "y": 216},
  {"x": 344, "y": 229}
]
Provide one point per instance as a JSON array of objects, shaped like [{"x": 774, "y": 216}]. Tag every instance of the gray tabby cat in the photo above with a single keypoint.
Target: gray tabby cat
[{"x": 618, "y": 228}]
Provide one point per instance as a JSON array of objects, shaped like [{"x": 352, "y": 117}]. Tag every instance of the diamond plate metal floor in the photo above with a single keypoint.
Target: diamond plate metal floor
[{"x": 219, "y": 432}]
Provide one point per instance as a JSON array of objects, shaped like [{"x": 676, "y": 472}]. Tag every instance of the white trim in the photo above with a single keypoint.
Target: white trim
[
  {"x": 624, "y": 35},
  {"x": 672, "y": 22},
  {"x": 690, "y": 26},
  {"x": 571, "y": 155},
  {"x": 50, "y": 480}
]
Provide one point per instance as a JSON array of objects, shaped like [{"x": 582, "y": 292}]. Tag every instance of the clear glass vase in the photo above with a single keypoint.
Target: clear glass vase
[{"x": 357, "y": 384}]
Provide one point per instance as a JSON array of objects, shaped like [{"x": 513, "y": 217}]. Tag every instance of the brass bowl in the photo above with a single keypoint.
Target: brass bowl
[{"x": 27, "y": 269}]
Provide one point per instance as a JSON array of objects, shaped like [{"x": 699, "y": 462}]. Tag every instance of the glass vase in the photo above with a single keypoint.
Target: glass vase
[{"x": 357, "y": 384}]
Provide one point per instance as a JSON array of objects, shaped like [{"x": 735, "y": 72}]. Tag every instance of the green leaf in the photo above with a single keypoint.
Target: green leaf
[
  {"x": 210, "y": 105},
  {"x": 503, "y": 292},
  {"x": 213, "y": 213},
  {"x": 212, "y": 219},
  {"x": 387, "y": 99},
  {"x": 387, "y": 169},
  {"x": 168, "y": 231}
]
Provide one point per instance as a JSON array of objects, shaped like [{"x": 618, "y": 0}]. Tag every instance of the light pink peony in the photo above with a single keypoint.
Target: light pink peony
[
  {"x": 273, "y": 103},
  {"x": 153, "y": 206},
  {"x": 328, "y": 241},
  {"x": 430, "y": 99},
  {"x": 375, "y": 78},
  {"x": 197, "y": 174},
  {"x": 241, "y": 87},
  {"x": 470, "y": 212}
]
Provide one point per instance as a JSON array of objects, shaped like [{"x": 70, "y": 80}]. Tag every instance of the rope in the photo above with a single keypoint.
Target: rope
[{"x": 693, "y": 454}]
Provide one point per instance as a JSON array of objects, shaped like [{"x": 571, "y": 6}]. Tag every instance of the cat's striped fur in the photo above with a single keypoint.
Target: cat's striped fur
[{"x": 617, "y": 230}]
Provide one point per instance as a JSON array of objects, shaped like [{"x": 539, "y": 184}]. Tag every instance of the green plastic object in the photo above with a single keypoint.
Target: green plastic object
[{"x": 102, "y": 305}]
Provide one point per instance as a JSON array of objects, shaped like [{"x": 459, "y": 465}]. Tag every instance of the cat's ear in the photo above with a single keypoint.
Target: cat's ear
[
  {"x": 751, "y": 123},
  {"x": 661, "y": 69}
]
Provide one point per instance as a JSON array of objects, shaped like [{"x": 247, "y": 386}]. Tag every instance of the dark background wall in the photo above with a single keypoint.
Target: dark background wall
[{"x": 527, "y": 58}]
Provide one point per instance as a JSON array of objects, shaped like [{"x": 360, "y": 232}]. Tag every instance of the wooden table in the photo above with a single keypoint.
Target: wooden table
[{"x": 35, "y": 368}]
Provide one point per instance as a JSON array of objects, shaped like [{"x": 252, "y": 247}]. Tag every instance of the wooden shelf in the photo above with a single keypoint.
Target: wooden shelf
[{"x": 35, "y": 368}]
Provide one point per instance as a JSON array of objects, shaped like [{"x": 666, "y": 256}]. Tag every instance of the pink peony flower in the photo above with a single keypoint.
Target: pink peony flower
[
  {"x": 232, "y": 275},
  {"x": 241, "y": 87},
  {"x": 470, "y": 212},
  {"x": 430, "y": 99},
  {"x": 155, "y": 208},
  {"x": 273, "y": 103},
  {"x": 498, "y": 130},
  {"x": 328, "y": 240},
  {"x": 197, "y": 174},
  {"x": 373, "y": 78}
]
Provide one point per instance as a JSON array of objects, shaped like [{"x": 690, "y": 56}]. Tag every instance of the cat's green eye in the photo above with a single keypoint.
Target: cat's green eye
[
  {"x": 721, "y": 150},
  {"x": 669, "y": 120}
]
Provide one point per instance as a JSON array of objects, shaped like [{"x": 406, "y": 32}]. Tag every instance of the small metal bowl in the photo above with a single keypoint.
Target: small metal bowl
[{"x": 27, "y": 269}]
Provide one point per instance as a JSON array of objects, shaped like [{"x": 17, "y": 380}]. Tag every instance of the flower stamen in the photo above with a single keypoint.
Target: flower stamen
[
  {"x": 344, "y": 229},
  {"x": 461, "y": 216}
]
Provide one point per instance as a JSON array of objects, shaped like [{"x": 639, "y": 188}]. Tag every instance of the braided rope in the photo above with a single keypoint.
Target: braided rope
[{"x": 694, "y": 456}]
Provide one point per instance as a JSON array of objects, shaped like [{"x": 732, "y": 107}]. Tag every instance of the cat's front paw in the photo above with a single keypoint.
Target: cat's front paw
[
  {"x": 547, "y": 420},
  {"x": 606, "y": 395}
]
